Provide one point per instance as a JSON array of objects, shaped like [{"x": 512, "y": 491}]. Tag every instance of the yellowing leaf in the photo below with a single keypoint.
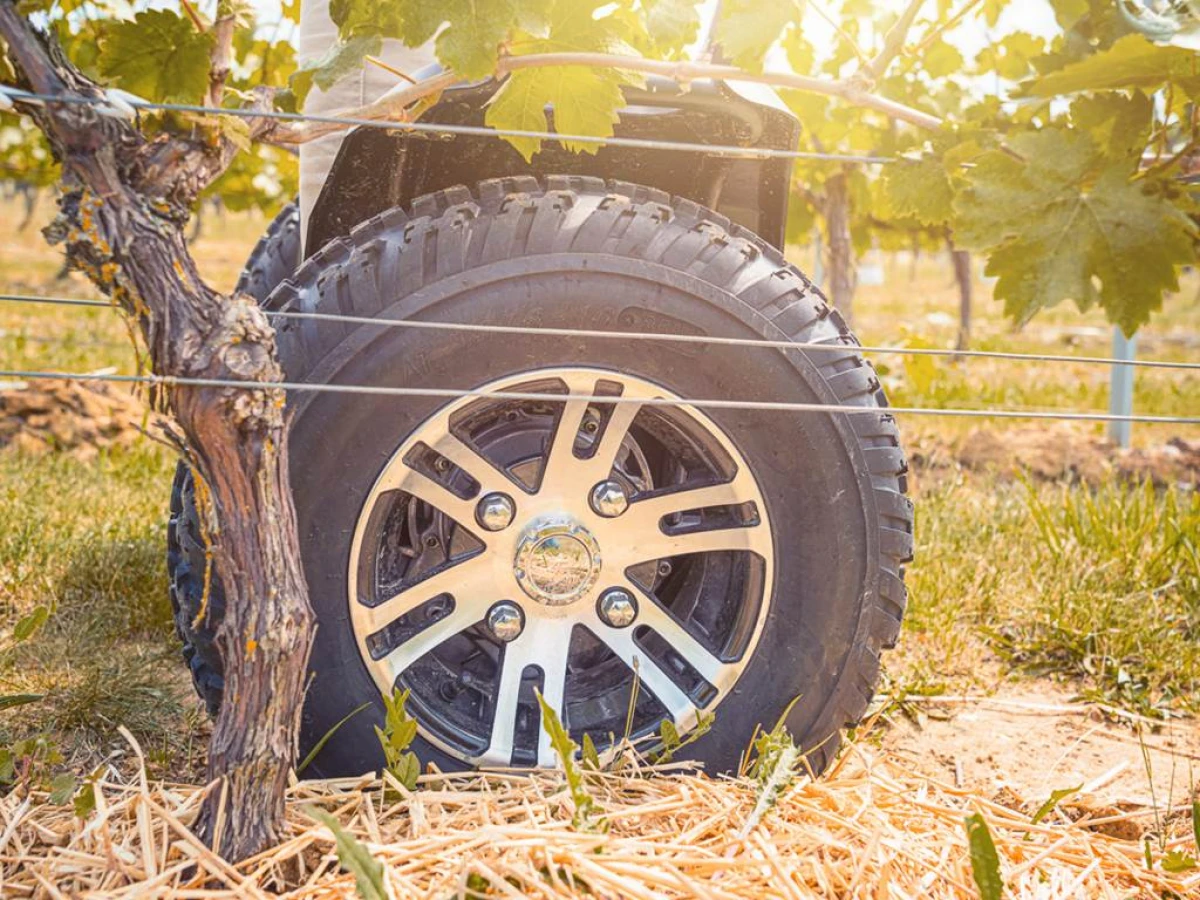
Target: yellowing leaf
[
  {"x": 747, "y": 29},
  {"x": 159, "y": 55},
  {"x": 585, "y": 102},
  {"x": 1132, "y": 62}
]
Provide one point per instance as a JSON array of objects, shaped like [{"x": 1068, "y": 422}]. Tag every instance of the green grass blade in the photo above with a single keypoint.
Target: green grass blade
[
  {"x": 985, "y": 862},
  {"x": 12, "y": 700},
  {"x": 1056, "y": 797},
  {"x": 319, "y": 746}
]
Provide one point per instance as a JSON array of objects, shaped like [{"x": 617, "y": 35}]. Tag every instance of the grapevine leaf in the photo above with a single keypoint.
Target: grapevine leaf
[
  {"x": 470, "y": 43},
  {"x": 159, "y": 55},
  {"x": 942, "y": 59},
  {"x": 1131, "y": 62},
  {"x": 919, "y": 189},
  {"x": 985, "y": 862},
  {"x": 673, "y": 24},
  {"x": 585, "y": 101},
  {"x": 748, "y": 28},
  {"x": 342, "y": 59},
  {"x": 1119, "y": 124},
  {"x": 1063, "y": 223},
  {"x": 354, "y": 857},
  {"x": 355, "y": 18}
]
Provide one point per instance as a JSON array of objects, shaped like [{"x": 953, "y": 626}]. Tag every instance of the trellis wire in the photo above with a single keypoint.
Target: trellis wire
[
  {"x": 726, "y": 150},
  {"x": 762, "y": 343},
  {"x": 458, "y": 393}
]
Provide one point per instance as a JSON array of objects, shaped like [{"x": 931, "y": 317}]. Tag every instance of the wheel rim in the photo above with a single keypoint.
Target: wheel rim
[{"x": 562, "y": 545}]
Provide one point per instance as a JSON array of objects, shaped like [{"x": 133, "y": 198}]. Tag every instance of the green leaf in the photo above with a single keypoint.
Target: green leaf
[
  {"x": 1131, "y": 62},
  {"x": 342, "y": 59},
  {"x": 1196, "y": 824},
  {"x": 11, "y": 701},
  {"x": 8, "y": 765},
  {"x": 355, "y": 18},
  {"x": 62, "y": 789},
  {"x": 28, "y": 625},
  {"x": 564, "y": 747},
  {"x": 747, "y": 29},
  {"x": 985, "y": 862},
  {"x": 354, "y": 857},
  {"x": 407, "y": 770},
  {"x": 591, "y": 758},
  {"x": 918, "y": 189},
  {"x": 159, "y": 55},
  {"x": 1119, "y": 124},
  {"x": 1178, "y": 861},
  {"x": 85, "y": 800},
  {"x": 1060, "y": 222},
  {"x": 1056, "y": 797}
]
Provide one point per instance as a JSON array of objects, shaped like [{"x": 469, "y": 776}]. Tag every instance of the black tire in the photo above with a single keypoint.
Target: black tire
[
  {"x": 276, "y": 257},
  {"x": 631, "y": 258}
]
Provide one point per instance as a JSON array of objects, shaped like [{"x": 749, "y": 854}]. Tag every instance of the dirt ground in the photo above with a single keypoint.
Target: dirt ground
[{"x": 1027, "y": 740}]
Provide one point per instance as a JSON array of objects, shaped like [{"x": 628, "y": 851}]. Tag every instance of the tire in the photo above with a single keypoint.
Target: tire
[
  {"x": 276, "y": 256},
  {"x": 574, "y": 252}
]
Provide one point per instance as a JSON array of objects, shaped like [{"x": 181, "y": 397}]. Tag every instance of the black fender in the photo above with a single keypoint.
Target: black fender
[{"x": 377, "y": 169}]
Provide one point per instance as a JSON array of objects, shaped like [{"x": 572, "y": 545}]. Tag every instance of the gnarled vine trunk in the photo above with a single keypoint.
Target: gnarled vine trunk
[{"x": 125, "y": 204}]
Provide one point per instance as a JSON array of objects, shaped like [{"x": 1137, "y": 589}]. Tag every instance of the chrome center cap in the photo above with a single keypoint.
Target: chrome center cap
[{"x": 557, "y": 561}]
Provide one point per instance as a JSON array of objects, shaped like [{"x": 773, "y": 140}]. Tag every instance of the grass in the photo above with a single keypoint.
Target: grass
[
  {"x": 1096, "y": 587},
  {"x": 85, "y": 540},
  {"x": 1100, "y": 588}
]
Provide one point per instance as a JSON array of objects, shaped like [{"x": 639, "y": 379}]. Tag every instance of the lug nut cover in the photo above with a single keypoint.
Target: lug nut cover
[
  {"x": 495, "y": 511},
  {"x": 505, "y": 621},
  {"x": 618, "y": 608},
  {"x": 609, "y": 499}
]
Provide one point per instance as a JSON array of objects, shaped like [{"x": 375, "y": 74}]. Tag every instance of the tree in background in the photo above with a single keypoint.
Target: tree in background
[{"x": 1069, "y": 185}]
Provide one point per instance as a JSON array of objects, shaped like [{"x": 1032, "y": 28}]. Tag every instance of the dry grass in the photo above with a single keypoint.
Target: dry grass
[{"x": 868, "y": 830}]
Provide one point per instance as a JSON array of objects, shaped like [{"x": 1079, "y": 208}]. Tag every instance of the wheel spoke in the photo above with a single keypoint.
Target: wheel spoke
[
  {"x": 422, "y": 487},
  {"x": 657, "y": 545},
  {"x": 491, "y": 479},
  {"x": 470, "y": 582},
  {"x": 418, "y": 645},
  {"x": 560, "y": 469},
  {"x": 515, "y": 657},
  {"x": 693, "y": 652},
  {"x": 678, "y": 705},
  {"x": 554, "y": 649}
]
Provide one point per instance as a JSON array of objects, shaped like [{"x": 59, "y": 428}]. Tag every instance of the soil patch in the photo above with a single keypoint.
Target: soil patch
[
  {"x": 1056, "y": 453},
  {"x": 1028, "y": 740},
  {"x": 71, "y": 417}
]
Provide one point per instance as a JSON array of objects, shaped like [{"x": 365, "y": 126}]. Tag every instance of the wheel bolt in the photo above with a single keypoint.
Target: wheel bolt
[
  {"x": 495, "y": 511},
  {"x": 506, "y": 621},
  {"x": 609, "y": 499},
  {"x": 618, "y": 608}
]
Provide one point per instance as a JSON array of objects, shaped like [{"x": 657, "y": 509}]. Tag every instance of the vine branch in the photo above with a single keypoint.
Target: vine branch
[{"x": 393, "y": 105}]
